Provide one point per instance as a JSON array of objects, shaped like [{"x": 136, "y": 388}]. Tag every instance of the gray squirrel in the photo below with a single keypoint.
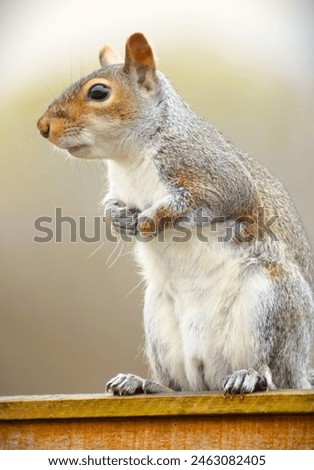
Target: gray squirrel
[{"x": 230, "y": 313}]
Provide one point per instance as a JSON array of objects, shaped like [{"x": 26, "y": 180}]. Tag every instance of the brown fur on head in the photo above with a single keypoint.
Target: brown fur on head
[{"x": 87, "y": 125}]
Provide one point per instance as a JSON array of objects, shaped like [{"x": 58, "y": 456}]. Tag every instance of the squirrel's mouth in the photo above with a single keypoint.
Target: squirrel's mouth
[{"x": 77, "y": 150}]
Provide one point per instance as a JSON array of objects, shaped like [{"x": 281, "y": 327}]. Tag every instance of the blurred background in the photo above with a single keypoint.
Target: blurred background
[{"x": 71, "y": 313}]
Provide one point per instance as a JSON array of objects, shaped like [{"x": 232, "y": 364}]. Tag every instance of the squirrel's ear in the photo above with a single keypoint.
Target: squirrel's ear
[
  {"x": 139, "y": 60},
  {"x": 108, "y": 56}
]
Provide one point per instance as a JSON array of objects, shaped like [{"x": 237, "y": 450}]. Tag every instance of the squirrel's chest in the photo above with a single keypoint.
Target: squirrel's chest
[
  {"x": 137, "y": 185},
  {"x": 185, "y": 262}
]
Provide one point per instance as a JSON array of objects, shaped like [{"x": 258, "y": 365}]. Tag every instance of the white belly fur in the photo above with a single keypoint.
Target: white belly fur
[{"x": 215, "y": 292}]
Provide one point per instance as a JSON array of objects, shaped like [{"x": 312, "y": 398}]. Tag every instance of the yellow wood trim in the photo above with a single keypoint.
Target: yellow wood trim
[{"x": 107, "y": 406}]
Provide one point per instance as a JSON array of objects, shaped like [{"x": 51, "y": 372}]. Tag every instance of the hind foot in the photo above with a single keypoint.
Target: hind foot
[{"x": 248, "y": 381}]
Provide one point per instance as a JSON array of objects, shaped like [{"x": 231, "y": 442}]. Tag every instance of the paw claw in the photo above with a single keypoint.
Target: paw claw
[
  {"x": 129, "y": 384},
  {"x": 125, "y": 384},
  {"x": 248, "y": 381}
]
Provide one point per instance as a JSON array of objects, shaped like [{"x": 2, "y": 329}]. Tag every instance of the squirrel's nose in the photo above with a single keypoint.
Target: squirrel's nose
[{"x": 44, "y": 127}]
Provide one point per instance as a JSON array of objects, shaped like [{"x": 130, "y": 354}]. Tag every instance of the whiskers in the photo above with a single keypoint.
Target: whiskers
[
  {"x": 113, "y": 251},
  {"x": 50, "y": 92},
  {"x": 134, "y": 288},
  {"x": 96, "y": 250},
  {"x": 60, "y": 151},
  {"x": 118, "y": 251},
  {"x": 76, "y": 136}
]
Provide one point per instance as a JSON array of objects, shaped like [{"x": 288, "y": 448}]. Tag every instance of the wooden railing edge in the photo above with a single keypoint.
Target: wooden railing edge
[{"x": 178, "y": 404}]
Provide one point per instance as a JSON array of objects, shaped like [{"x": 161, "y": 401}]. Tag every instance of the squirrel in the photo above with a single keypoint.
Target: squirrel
[{"x": 231, "y": 311}]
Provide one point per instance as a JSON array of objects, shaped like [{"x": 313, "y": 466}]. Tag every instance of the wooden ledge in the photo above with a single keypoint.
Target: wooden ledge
[
  {"x": 107, "y": 406},
  {"x": 273, "y": 420}
]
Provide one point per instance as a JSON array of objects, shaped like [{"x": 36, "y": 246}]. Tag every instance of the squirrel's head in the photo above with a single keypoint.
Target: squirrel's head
[{"x": 96, "y": 116}]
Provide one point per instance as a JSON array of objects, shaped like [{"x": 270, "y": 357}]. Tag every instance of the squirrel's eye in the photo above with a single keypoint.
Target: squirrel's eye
[{"x": 98, "y": 92}]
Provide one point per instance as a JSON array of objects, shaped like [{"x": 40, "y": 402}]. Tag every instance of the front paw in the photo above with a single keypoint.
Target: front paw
[
  {"x": 152, "y": 221},
  {"x": 123, "y": 219},
  {"x": 248, "y": 381},
  {"x": 146, "y": 225}
]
